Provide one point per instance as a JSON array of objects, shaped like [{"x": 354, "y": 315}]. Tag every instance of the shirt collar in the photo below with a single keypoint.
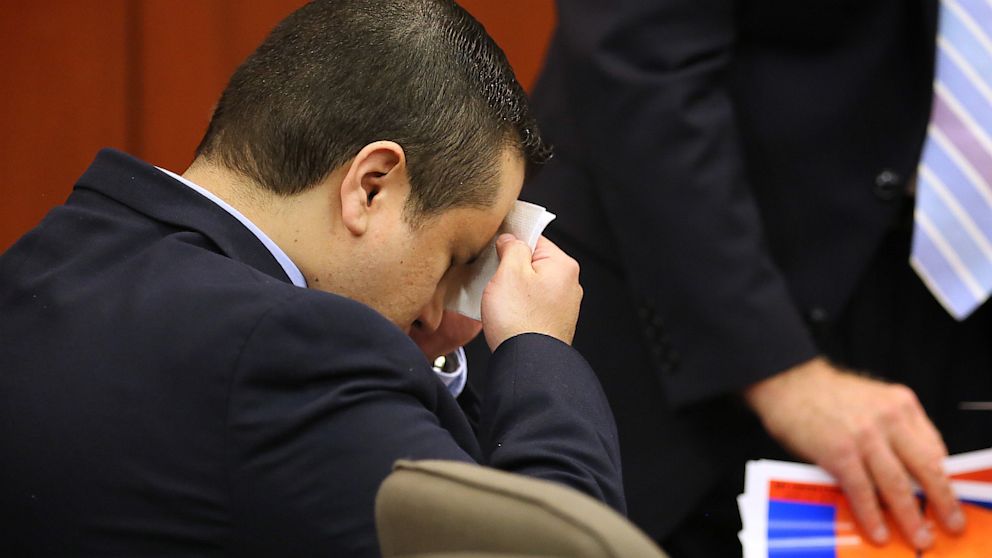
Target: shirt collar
[{"x": 287, "y": 264}]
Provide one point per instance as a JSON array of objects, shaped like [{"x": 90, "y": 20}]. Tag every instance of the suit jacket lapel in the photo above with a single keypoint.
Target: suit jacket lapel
[{"x": 147, "y": 190}]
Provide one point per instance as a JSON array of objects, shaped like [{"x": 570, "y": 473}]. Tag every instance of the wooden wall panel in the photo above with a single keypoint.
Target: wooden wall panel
[
  {"x": 143, "y": 76},
  {"x": 521, "y": 27},
  {"x": 189, "y": 50},
  {"x": 62, "y": 97}
]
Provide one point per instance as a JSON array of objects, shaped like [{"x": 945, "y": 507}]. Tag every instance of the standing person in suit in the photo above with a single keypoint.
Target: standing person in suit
[
  {"x": 736, "y": 180},
  {"x": 169, "y": 387}
]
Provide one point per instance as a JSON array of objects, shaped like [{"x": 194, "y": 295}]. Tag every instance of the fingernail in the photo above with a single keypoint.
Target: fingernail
[
  {"x": 955, "y": 521},
  {"x": 504, "y": 238},
  {"x": 923, "y": 538},
  {"x": 880, "y": 535}
]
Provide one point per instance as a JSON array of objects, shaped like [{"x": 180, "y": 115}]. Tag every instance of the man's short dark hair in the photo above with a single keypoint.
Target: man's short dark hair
[{"x": 337, "y": 75}]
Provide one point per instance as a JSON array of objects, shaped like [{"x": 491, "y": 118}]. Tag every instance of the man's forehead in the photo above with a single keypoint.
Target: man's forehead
[{"x": 476, "y": 225}]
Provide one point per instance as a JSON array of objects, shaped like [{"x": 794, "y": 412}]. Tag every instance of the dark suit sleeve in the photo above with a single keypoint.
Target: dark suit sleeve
[
  {"x": 329, "y": 395},
  {"x": 541, "y": 399},
  {"x": 649, "y": 91}
]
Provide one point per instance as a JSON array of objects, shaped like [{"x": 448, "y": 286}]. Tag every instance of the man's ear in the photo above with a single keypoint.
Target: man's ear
[{"x": 376, "y": 181}]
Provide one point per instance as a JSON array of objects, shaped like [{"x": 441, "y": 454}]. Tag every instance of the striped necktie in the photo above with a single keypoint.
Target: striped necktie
[{"x": 952, "y": 234}]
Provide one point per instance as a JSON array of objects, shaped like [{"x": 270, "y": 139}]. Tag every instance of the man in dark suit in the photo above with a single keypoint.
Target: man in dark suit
[
  {"x": 735, "y": 180},
  {"x": 168, "y": 388}
]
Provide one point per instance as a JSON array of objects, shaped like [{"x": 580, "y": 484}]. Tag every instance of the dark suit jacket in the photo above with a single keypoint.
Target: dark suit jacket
[
  {"x": 724, "y": 171},
  {"x": 164, "y": 389}
]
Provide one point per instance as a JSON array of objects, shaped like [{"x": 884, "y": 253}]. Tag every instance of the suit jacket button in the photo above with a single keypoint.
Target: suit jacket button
[
  {"x": 817, "y": 315},
  {"x": 887, "y": 186}
]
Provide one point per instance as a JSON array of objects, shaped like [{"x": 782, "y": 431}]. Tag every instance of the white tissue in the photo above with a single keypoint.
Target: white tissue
[{"x": 526, "y": 221}]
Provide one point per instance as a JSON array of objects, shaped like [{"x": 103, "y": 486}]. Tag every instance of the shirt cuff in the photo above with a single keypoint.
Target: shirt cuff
[{"x": 456, "y": 379}]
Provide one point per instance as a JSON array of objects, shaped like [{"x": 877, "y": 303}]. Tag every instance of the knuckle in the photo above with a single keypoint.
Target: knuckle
[
  {"x": 863, "y": 499},
  {"x": 892, "y": 414},
  {"x": 843, "y": 460},
  {"x": 568, "y": 270},
  {"x": 904, "y": 397},
  {"x": 933, "y": 464},
  {"x": 575, "y": 270},
  {"x": 931, "y": 474},
  {"x": 898, "y": 409},
  {"x": 864, "y": 435},
  {"x": 897, "y": 485}
]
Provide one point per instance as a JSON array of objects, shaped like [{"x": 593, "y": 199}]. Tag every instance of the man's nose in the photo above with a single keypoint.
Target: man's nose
[{"x": 431, "y": 314}]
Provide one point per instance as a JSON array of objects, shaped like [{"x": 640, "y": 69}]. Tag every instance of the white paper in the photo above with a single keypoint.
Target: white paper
[{"x": 754, "y": 502}]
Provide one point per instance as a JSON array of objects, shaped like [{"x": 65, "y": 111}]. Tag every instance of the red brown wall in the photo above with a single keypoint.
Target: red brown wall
[{"x": 142, "y": 76}]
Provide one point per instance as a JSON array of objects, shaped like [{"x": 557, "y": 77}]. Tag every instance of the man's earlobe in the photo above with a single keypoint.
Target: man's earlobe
[
  {"x": 354, "y": 202},
  {"x": 375, "y": 177}
]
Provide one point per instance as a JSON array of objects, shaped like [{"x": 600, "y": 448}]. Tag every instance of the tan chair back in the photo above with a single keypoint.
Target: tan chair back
[{"x": 434, "y": 509}]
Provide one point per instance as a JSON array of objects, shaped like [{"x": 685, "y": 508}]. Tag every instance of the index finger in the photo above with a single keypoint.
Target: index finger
[{"x": 545, "y": 249}]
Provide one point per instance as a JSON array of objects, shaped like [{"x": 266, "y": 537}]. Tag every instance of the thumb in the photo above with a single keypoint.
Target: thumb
[{"x": 513, "y": 252}]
